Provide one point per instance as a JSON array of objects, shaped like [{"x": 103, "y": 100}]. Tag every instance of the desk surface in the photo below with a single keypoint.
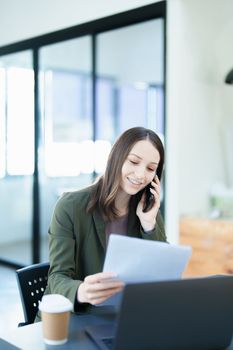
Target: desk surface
[{"x": 30, "y": 337}]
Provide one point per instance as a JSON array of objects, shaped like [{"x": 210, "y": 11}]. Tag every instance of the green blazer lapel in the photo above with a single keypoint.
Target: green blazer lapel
[{"x": 100, "y": 228}]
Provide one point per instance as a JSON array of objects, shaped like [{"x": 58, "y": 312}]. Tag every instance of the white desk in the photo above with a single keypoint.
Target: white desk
[
  {"x": 27, "y": 337},
  {"x": 30, "y": 337}
]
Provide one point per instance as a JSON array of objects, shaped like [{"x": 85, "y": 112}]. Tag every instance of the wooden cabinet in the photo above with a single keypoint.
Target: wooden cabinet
[{"x": 212, "y": 246}]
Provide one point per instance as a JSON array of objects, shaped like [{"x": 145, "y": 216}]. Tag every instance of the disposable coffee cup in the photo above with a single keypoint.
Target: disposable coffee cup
[{"x": 55, "y": 312}]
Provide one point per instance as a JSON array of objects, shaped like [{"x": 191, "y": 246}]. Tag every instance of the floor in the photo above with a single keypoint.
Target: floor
[
  {"x": 11, "y": 312},
  {"x": 19, "y": 252}
]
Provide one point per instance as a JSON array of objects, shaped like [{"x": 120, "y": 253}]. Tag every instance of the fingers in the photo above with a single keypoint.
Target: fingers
[
  {"x": 102, "y": 286},
  {"x": 155, "y": 190},
  {"x": 99, "y": 287},
  {"x": 98, "y": 277},
  {"x": 99, "y": 297},
  {"x": 156, "y": 185}
]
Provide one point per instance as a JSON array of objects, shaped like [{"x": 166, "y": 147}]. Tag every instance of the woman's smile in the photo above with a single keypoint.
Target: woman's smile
[{"x": 134, "y": 181}]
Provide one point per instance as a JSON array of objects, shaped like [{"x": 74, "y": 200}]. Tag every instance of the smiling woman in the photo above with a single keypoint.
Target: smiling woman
[
  {"x": 108, "y": 191},
  {"x": 140, "y": 166},
  {"x": 140, "y": 169},
  {"x": 83, "y": 220}
]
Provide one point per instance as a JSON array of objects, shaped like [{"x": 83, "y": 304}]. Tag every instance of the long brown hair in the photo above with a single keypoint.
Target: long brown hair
[{"x": 105, "y": 189}]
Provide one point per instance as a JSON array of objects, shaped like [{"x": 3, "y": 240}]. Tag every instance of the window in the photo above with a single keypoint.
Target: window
[{"x": 90, "y": 83}]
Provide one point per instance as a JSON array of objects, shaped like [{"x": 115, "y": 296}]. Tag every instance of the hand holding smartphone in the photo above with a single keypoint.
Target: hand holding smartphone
[{"x": 149, "y": 199}]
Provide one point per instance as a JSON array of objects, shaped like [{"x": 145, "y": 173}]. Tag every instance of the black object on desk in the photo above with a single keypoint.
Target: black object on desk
[{"x": 183, "y": 314}]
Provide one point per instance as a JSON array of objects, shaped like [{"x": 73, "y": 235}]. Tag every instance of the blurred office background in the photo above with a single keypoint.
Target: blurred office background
[{"x": 72, "y": 79}]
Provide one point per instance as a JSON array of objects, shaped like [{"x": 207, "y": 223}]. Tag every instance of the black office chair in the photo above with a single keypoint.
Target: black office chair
[{"x": 32, "y": 281}]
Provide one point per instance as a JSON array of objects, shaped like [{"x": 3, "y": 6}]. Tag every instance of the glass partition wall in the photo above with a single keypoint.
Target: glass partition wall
[
  {"x": 17, "y": 156},
  {"x": 66, "y": 157},
  {"x": 130, "y": 83},
  {"x": 87, "y": 90}
]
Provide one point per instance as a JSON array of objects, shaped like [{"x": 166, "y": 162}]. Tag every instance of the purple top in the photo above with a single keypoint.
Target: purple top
[{"x": 118, "y": 226}]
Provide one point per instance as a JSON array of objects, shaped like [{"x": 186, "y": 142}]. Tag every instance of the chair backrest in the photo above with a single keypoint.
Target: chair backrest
[{"x": 32, "y": 281}]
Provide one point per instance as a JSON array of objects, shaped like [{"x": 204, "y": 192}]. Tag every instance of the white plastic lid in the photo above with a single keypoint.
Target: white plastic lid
[{"x": 55, "y": 303}]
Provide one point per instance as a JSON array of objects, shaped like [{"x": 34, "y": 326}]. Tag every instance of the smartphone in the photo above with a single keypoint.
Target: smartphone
[{"x": 149, "y": 200}]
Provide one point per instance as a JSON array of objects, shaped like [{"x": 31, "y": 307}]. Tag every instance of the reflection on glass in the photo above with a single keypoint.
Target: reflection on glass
[
  {"x": 155, "y": 107},
  {"x": 16, "y": 156},
  {"x": 130, "y": 79},
  {"x": 102, "y": 150},
  {"x": 66, "y": 156},
  {"x": 105, "y": 88},
  {"x": 2, "y": 124},
  {"x": 20, "y": 121},
  {"x": 68, "y": 121}
]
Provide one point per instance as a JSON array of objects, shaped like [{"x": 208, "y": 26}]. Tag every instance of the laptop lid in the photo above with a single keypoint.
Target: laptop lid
[{"x": 182, "y": 314}]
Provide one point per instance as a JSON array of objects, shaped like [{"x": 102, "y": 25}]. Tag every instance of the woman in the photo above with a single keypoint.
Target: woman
[{"x": 83, "y": 220}]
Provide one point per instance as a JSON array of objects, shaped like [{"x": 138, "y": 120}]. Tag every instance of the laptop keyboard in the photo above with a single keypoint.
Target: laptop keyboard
[{"x": 108, "y": 342}]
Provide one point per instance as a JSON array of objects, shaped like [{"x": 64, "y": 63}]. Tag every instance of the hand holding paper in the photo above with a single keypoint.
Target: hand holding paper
[
  {"x": 136, "y": 260},
  {"x": 139, "y": 260}
]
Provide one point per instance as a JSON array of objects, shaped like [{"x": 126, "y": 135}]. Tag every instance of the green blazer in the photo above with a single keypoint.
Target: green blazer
[{"x": 77, "y": 242}]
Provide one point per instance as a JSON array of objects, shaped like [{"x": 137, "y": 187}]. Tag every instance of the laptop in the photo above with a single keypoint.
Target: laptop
[{"x": 183, "y": 314}]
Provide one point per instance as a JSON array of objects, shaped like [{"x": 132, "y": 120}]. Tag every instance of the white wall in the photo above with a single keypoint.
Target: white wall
[
  {"x": 199, "y": 103},
  {"x": 174, "y": 67}
]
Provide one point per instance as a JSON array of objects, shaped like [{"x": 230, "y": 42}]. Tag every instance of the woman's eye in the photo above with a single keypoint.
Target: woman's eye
[
  {"x": 151, "y": 169},
  {"x": 131, "y": 161}
]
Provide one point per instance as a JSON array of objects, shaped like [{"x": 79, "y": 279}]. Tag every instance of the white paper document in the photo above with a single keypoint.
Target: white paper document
[{"x": 140, "y": 260}]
